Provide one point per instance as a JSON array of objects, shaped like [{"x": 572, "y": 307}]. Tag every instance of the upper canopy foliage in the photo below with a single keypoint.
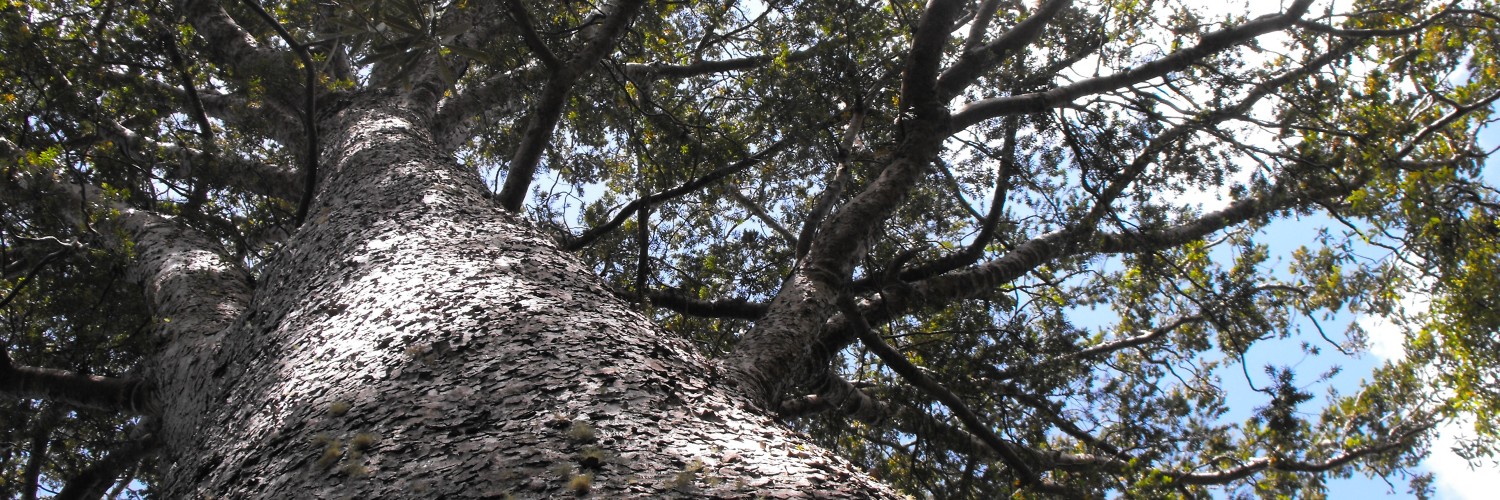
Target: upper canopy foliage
[{"x": 1058, "y": 220}]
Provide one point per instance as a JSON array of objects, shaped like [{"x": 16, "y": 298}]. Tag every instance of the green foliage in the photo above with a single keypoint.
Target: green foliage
[{"x": 1408, "y": 220}]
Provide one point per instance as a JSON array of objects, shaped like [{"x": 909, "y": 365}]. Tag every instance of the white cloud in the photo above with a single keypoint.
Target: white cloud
[{"x": 1453, "y": 477}]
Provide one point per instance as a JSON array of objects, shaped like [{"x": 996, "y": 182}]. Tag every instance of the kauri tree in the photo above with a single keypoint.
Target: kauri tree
[{"x": 830, "y": 248}]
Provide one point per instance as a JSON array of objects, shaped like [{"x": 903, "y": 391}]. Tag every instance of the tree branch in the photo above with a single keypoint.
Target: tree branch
[
  {"x": 643, "y": 72},
  {"x": 678, "y": 301},
  {"x": 494, "y": 96},
  {"x": 227, "y": 44},
  {"x": 1095, "y": 351},
  {"x": 93, "y": 481},
  {"x": 919, "y": 86},
  {"x": 522, "y": 18},
  {"x": 190, "y": 282},
  {"x": 590, "y": 236},
  {"x": 1258, "y": 464},
  {"x": 914, "y": 376},
  {"x": 309, "y": 114},
  {"x": 761, "y": 215},
  {"x": 83, "y": 391},
  {"x": 1210, "y": 44},
  {"x": 982, "y": 19},
  {"x": 219, "y": 170},
  {"x": 550, "y": 106},
  {"x": 977, "y": 59}
]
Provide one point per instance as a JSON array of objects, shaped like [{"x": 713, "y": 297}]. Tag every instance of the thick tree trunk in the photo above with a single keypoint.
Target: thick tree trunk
[{"x": 414, "y": 340}]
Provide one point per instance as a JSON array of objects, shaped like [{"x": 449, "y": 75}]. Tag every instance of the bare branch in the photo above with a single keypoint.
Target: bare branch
[{"x": 761, "y": 215}]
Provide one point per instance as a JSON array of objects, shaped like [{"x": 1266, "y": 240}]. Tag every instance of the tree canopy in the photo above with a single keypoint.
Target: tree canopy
[{"x": 1001, "y": 245}]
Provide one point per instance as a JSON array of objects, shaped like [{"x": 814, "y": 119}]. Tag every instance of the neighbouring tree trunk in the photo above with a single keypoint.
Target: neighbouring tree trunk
[{"x": 415, "y": 340}]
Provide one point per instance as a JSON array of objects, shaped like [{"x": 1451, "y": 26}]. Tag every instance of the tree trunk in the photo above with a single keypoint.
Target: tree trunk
[{"x": 415, "y": 340}]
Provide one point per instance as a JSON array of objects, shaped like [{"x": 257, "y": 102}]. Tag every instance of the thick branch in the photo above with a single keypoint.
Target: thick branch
[
  {"x": 987, "y": 227},
  {"x": 191, "y": 283},
  {"x": 228, "y": 44},
  {"x": 982, "y": 19},
  {"x": 83, "y": 391},
  {"x": 980, "y": 58},
  {"x": 643, "y": 72},
  {"x": 92, "y": 482},
  {"x": 549, "y": 107},
  {"x": 919, "y": 86},
  {"x": 1210, "y": 44},
  {"x": 679, "y": 301},
  {"x": 269, "y": 116},
  {"x": 522, "y": 17},
  {"x": 474, "y": 106}
]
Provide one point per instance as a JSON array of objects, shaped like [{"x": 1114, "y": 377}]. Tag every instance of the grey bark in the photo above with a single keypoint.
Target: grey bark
[{"x": 414, "y": 340}]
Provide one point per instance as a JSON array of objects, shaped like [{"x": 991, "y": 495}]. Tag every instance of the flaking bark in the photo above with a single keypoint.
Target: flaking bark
[{"x": 416, "y": 341}]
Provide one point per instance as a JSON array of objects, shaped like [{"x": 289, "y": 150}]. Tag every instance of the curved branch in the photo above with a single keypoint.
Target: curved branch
[
  {"x": 1258, "y": 464},
  {"x": 987, "y": 228},
  {"x": 1210, "y": 44},
  {"x": 914, "y": 376},
  {"x": 592, "y": 235},
  {"x": 30, "y": 275}
]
